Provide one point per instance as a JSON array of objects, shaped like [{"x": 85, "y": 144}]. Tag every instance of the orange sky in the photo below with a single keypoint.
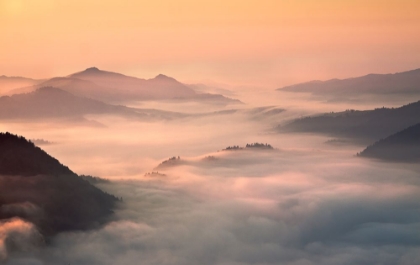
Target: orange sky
[{"x": 269, "y": 42}]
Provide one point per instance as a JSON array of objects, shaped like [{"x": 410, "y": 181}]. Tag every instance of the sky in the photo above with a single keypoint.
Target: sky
[{"x": 268, "y": 43}]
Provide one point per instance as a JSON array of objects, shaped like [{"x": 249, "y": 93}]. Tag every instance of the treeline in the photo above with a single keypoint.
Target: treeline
[
  {"x": 154, "y": 174},
  {"x": 258, "y": 145},
  {"x": 62, "y": 200},
  {"x": 19, "y": 156},
  {"x": 94, "y": 180},
  {"x": 253, "y": 145}
]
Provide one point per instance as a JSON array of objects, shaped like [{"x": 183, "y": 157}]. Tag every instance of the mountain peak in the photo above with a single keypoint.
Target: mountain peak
[
  {"x": 163, "y": 77},
  {"x": 92, "y": 69}
]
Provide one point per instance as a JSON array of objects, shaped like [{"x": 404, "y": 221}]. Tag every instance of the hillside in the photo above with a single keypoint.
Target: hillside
[
  {"x": 50, "y": 102},
  {"x": 382, "y": 85},
  {"x": 363, "y": 126},
  {"x": 403, "y": 146},
  {"x": 75, "y": 86},
  {"x": 160, "y": 87},
  {"x": 114, "y": 87},
  {"x": 38, "y": 188},
  {"x": 21, "y": 157},
  {"x": 9, "y": 83}
]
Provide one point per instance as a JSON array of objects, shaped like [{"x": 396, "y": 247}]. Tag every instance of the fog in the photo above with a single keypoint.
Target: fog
[{"x": 304, "y": 202}]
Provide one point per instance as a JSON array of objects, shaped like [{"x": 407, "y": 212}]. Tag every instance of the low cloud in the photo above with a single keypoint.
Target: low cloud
[
  {"x": 304, "y": 203},
  {"x": 18, "y": 235},
  {"x": 296, "y": 213}
]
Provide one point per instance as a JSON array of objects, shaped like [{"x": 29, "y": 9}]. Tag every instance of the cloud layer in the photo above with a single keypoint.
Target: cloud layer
[
  {"x": 304, "y": 203},
  {"x": 282, "y": 208}
]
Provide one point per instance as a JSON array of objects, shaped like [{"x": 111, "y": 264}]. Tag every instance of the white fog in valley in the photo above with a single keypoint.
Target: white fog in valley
[
  {"x": 209, "y": 132},
  {"x": 306, "y": 201}
]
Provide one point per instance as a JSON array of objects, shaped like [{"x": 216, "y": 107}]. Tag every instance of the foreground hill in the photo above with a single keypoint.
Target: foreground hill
[
  {"x": 403, "y": 146},
  {"x": 363, "y": 126},
  {"x": 115, "y": 87},
  {"x": 50, "y": 102},
  {"x": 383, "y": 85},
  {"x": 36, "y": 187}
]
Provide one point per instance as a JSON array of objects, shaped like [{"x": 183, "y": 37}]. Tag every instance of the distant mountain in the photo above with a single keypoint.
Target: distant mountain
[
  {"x": 383, "y": 85},
  {"x": 362, "y": 126},
  {"x": 9, "y": 83},
  {"x": 160, "y": 87},
  {"x": 267, "y": 112},
  {"x": 41, "y": 142},
  {"x": 215, "y": 89},
  {"x": 403, "y": 146},
  {"x": 50, "y": 102},
  {"x": 209, "y": 98},
  {"x": 74, "y": 86},
  {"x": 36, "y": 187},
  {"x": 114, "y": 87}
]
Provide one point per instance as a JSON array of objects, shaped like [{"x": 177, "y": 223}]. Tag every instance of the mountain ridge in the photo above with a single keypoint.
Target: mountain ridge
[
  {"x": 112, "y": 87},
  {"x": 363, "y": 126},
  {"x": 56, "y": 103},
  {"x": 59, "y": 199},
  {"x": 403, "y": 146},
  {"x": 382, "y": 85}
]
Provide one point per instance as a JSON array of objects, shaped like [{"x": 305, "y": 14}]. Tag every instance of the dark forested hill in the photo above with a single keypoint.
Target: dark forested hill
[
  {"x": 362, "y": 126},
  {"x": 19, "y": 156},
  {"x": 38, "y": 188},
  {"x": 403, "y": 146}
]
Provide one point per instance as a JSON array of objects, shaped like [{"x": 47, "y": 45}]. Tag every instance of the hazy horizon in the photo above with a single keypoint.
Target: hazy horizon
[
  {"x": 265, "y": 43},
  {"x": 202, "y": 158}
]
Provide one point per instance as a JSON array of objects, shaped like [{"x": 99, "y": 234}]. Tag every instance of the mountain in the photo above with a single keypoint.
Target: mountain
[
  {"x": 19, "y": 156},
  {"x": 9, "y": 83},
  {"x": 50, "y": 102},
  {"x": 114, "y": 87},
  {"x": 215, "y": 89},
  {"x": 382, "y": 85},
  {"x": 74, "y": 86},
  {"x": 403, "y": 146},
  {"x": 215, "y": 99},
  {"x": 36, "y": 187},
  {"x": 160, "y": 87},
  {"x": 362, "y": 126}
]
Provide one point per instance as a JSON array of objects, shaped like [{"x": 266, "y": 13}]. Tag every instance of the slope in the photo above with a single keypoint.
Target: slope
[
  {"x": 363, "y": 126},
  {"x": 379, "y": 85},
  {"x": 50, "y": 102},
  {"x": 34, "y": 186},
  {"x": 403, "y": 146}
]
